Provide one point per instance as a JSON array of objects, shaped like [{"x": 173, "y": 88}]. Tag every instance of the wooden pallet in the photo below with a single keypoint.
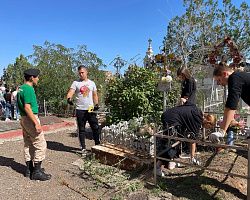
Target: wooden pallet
[{"x": 121, "y": 157}]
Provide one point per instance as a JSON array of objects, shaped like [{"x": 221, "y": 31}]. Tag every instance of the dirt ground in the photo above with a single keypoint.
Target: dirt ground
[
  {"x": 196, "y": 183},
  {"x": 60, "y": 156},
  {"x": 71, "y": 182}
]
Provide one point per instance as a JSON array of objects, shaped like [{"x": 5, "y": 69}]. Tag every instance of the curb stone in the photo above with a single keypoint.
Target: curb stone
[{"x": 17, "y": 134}]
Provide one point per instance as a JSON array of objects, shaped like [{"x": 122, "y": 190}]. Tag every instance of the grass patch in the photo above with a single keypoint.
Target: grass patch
[
  {"x": 121, "y": 181},
  {"x": 187, "y": 184}
]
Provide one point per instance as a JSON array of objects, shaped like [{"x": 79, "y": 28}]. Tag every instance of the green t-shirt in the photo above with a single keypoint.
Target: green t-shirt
[{"x": 26, "y": 95}]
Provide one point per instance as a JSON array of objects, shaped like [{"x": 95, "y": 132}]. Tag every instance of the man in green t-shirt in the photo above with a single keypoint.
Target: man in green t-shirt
[{"x": 34, "y": 142}]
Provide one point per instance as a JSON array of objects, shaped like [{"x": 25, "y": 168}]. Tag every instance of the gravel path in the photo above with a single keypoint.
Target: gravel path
[{"x": 61, "y": 153}]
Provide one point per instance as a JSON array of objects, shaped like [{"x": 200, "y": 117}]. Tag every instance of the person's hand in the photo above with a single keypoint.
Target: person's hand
[
  {"x": 96, "y": 107},
  {"x": 38, "y": 128},
  {"x": 70, "y": 102},
  {"x": 234, "y": 123},
  {"x": 215, "y": 136},
  {"x": 183, "y": 100},
  {"x": 241, "y": 124}
]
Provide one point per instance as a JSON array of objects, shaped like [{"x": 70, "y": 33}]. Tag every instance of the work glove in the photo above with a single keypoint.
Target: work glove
[
  {"x": 215, "y": 136},
  {"x": 96, "y": 107},
  {"x": 70, "y": 102}
]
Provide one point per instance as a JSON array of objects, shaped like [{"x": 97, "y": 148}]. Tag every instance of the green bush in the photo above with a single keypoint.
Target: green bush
[{"x": 135, "y": 95}]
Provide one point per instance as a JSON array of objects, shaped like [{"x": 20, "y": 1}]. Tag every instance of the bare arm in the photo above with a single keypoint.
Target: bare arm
[
  {"x": 184, "y": 99},
  {"x": 70, "y": 94},
  {"x": 95, "y": 98},
  {"x": 228, "y": 117},
  {"x": 33, "y": 118}
]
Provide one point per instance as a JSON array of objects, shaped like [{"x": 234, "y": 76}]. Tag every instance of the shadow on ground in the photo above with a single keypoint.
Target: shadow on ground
[
  {"x": 179, "y": 187},
  {"x": 195, "y": 186},
  {"x": 242, "y": 153},
  {"x": 57, "y": 146},
  {"x": 88, "y": 134},
  {"x": 10, "y": 162}
]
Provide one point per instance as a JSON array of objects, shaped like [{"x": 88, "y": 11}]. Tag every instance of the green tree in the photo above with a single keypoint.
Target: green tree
[
  {"x": 136, "y": 95},
  {"x": 81, "y": 56},
  {"x": 205, "y": 23},
  {"x": 58, "y": 66},
  {"x": 192, "y": 36},
  {"x": 13, "y": 75}
]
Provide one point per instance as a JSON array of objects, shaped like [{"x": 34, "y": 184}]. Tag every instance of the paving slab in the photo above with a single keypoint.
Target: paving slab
[
  {"x": 11, "y": 130},
  {"x": 14, "y": 125}
]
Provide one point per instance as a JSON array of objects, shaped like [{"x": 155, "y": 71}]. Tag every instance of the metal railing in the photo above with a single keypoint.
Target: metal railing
[
  {"x": 157, "y": 156},
  {"x": 64, "y": 110}
]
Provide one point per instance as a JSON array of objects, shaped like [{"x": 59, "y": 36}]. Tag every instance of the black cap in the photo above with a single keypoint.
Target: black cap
[{"x": 31, "y": 72}]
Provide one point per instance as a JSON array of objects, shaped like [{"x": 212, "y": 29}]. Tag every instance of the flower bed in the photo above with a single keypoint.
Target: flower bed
[{"x": 134, "y": 134}]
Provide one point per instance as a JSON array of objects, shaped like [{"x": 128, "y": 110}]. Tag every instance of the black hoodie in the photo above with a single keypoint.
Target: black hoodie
[{"x": 188, "y": 116}]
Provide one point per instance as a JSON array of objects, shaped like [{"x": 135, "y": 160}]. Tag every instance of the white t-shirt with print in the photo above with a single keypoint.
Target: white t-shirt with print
[{"x": 84, "y": 93}]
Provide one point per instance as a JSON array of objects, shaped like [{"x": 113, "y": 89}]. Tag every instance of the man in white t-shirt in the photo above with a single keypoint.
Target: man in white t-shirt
[{"x": 86, "y": 101}]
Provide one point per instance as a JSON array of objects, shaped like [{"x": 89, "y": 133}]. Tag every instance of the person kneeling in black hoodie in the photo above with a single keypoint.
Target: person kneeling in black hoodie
[{"x": 187, "y": 119}]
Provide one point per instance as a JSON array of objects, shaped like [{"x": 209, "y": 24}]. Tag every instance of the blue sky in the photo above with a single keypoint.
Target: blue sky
[{"x": 108, "y": 27}]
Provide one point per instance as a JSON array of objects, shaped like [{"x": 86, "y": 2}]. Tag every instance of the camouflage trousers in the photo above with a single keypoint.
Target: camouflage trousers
[{"x": 34, "y": 144}]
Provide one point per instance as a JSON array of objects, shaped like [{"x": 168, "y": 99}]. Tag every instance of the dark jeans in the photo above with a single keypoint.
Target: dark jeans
[
  {"x": 8, "y": 110},
  {"x": 82, "y": 116}
]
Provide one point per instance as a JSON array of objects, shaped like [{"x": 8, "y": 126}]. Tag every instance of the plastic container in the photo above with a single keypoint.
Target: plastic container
[{"x": 230, "y": 137}]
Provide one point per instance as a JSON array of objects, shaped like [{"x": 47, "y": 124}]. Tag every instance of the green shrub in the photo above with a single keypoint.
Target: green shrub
[{"x": 135, "y": 95}]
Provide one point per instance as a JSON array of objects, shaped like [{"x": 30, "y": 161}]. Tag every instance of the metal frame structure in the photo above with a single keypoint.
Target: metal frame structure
[{"x": 157, "y": 156}]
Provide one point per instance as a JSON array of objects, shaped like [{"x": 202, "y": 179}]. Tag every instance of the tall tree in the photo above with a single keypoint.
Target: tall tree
[
  {"x": 89, "y": 59},
  {"x": 58, "y": 66},
  {"x": 205, "y": 23},
  {"x": 13, "y": 75}
]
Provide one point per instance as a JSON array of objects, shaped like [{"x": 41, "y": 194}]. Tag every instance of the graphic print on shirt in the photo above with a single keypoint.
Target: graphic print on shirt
[{"x": 84, "y": 90}]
